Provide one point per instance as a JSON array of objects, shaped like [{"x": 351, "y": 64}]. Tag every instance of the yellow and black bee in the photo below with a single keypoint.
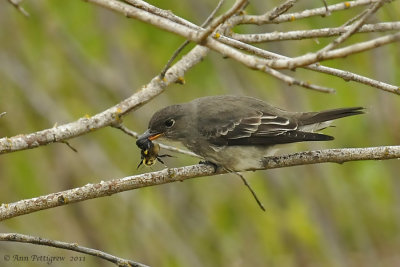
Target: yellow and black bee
[{"x": 149, "y": 153}]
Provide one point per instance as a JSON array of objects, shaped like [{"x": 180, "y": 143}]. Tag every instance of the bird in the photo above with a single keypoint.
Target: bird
[{"x": 238, "y": 132}]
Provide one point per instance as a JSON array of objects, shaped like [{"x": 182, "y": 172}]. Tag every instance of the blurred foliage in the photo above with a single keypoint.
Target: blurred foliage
[{"x": 72, "y": 58}]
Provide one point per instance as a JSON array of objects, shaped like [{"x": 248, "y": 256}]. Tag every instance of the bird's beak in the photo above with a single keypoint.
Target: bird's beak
[{"x": 148, "y": 135}]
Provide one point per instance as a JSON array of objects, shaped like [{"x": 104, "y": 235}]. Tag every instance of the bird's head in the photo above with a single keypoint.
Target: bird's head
[{"x": 170, "y": 122}]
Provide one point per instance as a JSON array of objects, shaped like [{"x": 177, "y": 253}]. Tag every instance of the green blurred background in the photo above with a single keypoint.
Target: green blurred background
[{"x": 72, "y": 58}]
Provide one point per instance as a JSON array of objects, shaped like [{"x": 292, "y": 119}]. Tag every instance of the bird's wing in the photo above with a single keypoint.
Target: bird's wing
[{"x": 260, "y": 128}]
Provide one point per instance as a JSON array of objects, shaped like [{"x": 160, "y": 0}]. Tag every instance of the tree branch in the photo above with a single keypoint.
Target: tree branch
[
  {"x": 239, "y": 4},
  {"x": 346, "y": 75},
  {"x": 353, "y": 28},
  {"x": 337, "y": 53},
  {"x": 16, "y": 4},
  {"x": 279, "y": 10},
  {"x": 197, "y": 36},
  {"x": 167, "y": 14},
  {"x": 315, "y": 33},
  {"x": 321, "y": 11},
  {"x": 184, "y": 44},
  {"x": 108, "y": 117},
  {"x": 224, "y": 44},
  {"x": 108, "y": 188},
  {"x": 290, "y": 80},
  {"x": 15, "y": 237}
]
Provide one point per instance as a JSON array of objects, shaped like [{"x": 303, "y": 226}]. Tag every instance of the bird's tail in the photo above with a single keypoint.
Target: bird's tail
[
  {"x": 328, "y": 115},
  {"x": 316, "y": 121}
]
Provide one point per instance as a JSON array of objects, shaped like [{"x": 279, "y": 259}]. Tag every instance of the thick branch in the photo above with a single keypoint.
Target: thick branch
[
  {"x": 15, "y": 237},
  {"x": 108, "y": 188}
]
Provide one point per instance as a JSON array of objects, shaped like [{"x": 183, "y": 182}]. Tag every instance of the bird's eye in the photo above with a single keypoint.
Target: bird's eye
[{"x": 169, "y": 123}]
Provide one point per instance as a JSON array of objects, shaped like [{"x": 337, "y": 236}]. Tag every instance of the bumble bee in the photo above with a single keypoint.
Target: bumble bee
[{"x": 149, "y": 153}]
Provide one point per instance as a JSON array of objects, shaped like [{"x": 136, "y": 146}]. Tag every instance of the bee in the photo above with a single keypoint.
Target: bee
[{"x": 149, "y": 153}]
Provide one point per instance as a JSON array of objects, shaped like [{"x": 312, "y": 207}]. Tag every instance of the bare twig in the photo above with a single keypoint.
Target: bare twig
[
  {"x": 182, "y": 46},
  {"x": 253, "y": 193},
  {"x": 110, "y": 187},
  {"x": 337, "y": 53},
  {"x": 69, "y": 145},
  {"x": 2, "y": 114},
  {"x": 226, "y": 50},
  {"x": 314, "y": 33},
  {"x": 239, "y": 4},
  {"x": 278, "y": 10},
  {"x": 327, "y": 12},
  {"x": 160, "y": 12},
  {"x": 362, "y": 46},
  {"x": 190, "y": 34},
  {"x": 355, "y": 18},
  {"x": 346, "y": 75},
  {"x": 16, "y": 4},
  {"x": 353, "y": 28},
  {"x": 254, "y": 19},
  {"x": 15, "y": 237},
  {"x": 290, "y": 80},
  {"x": 166, "y": 147}
]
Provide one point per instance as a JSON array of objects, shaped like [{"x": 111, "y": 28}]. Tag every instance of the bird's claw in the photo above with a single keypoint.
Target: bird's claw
[{"x": 209, "y": 163}]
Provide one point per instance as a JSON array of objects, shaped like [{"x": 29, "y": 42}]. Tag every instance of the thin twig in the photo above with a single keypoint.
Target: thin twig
[
  {"x": 160, "y": 12},
  {"x": 182, "y": 46},
  {"x": 221, "y": 19},
  {"x": 353, "y": 28},
  {"x": 362, "y": 46},
  {"x": 2, "y": 114},
  {"x": 327, "y": 12},
  {"x": 279, "y": 10},
  {"x": 321, "y": 11},
  {"x": 337, "y": 53},
  {"x": 15, "y": 237},
  {"x": 174, "y": 55},
  {"x": 314, "y": 33},
  {"x": 346, "y": 75},
  {"x": 69, "y": 145},
  {"x": 16, "y": 4},
  {"x": 250, "y": 188},
  {"x": 166, "y": 147},
  {"x": 355, "y": 18},
  {"x": 109, "y": 187},
  {"x": 290, "y": 81}
]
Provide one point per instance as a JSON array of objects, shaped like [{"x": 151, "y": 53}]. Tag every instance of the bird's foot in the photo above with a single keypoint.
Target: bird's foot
[{"x": 212, "y": 164}]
